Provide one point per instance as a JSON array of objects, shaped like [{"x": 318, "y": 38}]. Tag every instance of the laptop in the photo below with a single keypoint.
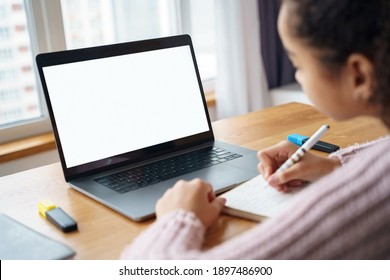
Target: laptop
[{"x": 131, "y": 119}]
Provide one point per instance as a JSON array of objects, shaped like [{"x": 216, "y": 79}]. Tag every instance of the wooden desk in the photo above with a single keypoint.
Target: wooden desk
[{"x": 103, "y": 233}]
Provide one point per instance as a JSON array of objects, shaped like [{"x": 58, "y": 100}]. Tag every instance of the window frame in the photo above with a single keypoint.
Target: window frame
[{"x": 41, "y": 40}]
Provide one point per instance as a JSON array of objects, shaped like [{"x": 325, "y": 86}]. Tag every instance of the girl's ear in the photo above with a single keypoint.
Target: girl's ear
[{"x": 360, "y": 70}]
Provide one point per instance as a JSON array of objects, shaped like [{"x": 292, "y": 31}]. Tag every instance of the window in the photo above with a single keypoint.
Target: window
[
  {"x": 96, "y": 22},
  {"x": 19, "y": 99},
  {"x": 66, "y": 24}
]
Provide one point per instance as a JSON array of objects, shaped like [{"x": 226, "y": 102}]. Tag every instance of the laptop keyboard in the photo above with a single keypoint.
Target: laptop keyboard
[{"x": 155, "y": 172}]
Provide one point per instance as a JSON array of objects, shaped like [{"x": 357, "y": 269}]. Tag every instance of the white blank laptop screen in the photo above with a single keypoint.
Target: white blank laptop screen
[{"x": 109, "y": 106}]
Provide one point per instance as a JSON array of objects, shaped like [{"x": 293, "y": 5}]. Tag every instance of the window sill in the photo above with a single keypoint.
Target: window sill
[
  {"x": 210, "y": 100},
  {"x": 33, "y": 145},
  {"x": 26, "y": 147}
]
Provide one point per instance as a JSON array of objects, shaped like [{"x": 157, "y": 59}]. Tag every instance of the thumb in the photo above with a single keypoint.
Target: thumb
[{"x": 218, "y": 203}]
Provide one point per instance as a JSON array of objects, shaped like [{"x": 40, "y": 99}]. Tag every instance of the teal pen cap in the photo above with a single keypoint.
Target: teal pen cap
[
  {"x": 322, "y": 146},
  {"x": 297, "y": 139}
]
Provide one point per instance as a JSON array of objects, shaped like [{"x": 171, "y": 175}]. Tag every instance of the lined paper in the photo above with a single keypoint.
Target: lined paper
[{"x": 254, "y": 196}]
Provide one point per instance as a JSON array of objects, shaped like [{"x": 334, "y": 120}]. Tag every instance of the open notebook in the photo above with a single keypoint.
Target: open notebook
[{"x": 254, "y": 200}]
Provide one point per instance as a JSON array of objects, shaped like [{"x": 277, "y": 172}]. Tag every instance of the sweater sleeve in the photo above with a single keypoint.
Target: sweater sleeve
[
  {"x": 178, "y": 233},
  {"x": 350, "y": 152}
]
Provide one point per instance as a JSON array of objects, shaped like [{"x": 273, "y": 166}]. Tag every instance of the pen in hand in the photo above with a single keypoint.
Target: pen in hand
[{"x": 303, "y": 149}]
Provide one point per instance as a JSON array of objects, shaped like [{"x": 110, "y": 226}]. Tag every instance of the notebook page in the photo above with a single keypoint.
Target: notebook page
[{"x": 254, "y": 196}]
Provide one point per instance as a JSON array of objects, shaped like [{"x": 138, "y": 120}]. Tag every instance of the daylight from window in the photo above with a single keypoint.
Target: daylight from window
[
  {"x": 96, "y": 22},
  {"x": 18, "y": 90}
]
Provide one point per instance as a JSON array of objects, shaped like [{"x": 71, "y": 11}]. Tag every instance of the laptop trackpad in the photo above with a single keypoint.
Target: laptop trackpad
[{"x": 222, "y": 177}]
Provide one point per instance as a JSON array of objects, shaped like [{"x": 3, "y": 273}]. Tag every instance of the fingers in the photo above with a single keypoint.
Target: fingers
[
  {"x": 271, "y": 158},
  {"x": 299, "y": 174},
  {"x": 218, "y": 204},
  {"x": 195, "y": 196},
  {"x": 207, "y": 189},
  {"x": 266, "y": 164},
  {"x": 294, "y": 172}
]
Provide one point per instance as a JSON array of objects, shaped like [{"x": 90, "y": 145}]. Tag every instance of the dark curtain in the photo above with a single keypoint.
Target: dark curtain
[{"x": 278, "y": 68}]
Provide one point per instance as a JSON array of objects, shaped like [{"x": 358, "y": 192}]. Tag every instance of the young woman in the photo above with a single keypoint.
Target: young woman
[{"x": 341, "y": 50}]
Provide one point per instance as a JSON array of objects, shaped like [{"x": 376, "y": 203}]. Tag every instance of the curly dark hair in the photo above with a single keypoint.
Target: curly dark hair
[{"x": 340, "y": 28}]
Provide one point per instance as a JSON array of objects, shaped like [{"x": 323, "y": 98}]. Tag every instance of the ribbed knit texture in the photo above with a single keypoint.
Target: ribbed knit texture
[{"x": 345, "y": 215}]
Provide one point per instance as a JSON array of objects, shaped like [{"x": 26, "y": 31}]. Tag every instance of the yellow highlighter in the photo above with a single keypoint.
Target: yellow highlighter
[
  {"x": 58, "y": 217},
  {"x": 45, "y": 205}
]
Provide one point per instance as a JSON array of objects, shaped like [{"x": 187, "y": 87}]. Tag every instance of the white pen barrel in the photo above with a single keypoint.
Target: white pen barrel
[
  {"x": 315, "y": 138},
  {"x": 293, "y": 159}
]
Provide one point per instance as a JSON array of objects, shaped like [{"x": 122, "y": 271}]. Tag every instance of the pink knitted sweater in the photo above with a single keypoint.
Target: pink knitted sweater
[{"x": 345, "y": 215}]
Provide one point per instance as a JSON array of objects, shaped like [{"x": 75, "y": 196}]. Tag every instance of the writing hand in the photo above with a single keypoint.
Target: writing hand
[{"x": 308, "y": 169}]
